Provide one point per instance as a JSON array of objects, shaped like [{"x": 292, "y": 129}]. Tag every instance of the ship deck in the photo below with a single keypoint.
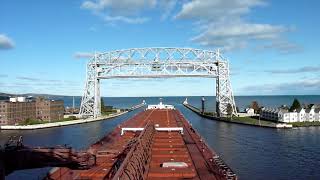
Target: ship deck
[{"x": 157, "y": 149}]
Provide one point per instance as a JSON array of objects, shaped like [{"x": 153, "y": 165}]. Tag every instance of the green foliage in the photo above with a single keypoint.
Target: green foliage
[
  {"x": 303, "y": 124},
  {"x": 31, "y": 122},
  {"x": 39, "y": 121},
  {"x": 229, "y": 109},
  {"x": 208, "y": 113},
  {"x": 103, "y": 108},
  {"x": 250, "y": 120},
  {"x": 254, "y": 105},
  {"x": 72, "y": 117},
  {"x": 295, "y": 105},
  {"x": 310, "y": 106}
]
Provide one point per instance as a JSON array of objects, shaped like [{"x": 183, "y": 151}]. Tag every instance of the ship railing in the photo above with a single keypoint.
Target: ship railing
[
  {"x": 136, "y": 163},
  {"x": 168, "y": 129},
  {"x": 130, "y": 129}
]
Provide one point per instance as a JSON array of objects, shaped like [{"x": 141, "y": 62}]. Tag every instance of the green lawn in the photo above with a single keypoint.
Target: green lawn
[
  {"x": 38, "y": 121},
  {"x": 250, "y": 120},
  {"x": 106, "y": 113},
  {"x": 302, "y": 124}
]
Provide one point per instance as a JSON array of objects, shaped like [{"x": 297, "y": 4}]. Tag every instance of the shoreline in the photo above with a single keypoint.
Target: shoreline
[
  {"x": 271, "y": 125},
  {"x": 67, "y": 123}
]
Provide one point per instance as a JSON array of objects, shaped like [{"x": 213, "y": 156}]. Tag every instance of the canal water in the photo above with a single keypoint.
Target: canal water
[{"x": 252, "y": 152}]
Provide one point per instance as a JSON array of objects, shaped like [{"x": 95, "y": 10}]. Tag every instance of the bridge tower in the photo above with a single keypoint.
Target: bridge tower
[
  {"x": 224, "y": 94},
  {"x": 157, "y": 63},
  {"x": 91, "y": 99}
]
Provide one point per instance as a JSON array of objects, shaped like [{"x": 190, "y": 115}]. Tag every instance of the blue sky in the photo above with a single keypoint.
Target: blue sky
[{"x": 271, "y": 45}]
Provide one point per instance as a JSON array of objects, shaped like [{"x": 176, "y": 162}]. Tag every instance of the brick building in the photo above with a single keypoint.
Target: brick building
[
  {"x": 13, "y": 112},
  {"x": 19, "y": 109},
  {"x": 49, "y": 110}
]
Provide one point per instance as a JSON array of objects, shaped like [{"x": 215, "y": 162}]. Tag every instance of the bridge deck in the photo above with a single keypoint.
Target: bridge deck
[{"x": 173, "y": 155}]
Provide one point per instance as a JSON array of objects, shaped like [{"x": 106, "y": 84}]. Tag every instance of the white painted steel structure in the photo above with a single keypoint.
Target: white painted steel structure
[{"x": 157, "y": 63}]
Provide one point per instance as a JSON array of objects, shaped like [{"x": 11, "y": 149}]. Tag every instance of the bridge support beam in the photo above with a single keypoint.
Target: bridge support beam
[
  {"x": 91, "y": 99},
  {"x": 225, "y": 104}
]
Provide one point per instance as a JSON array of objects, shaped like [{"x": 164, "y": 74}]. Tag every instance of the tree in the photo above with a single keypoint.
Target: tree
[
  {"x": 103, "y": 108},
  {"x": 310, "y": 106},
  {"x": 229, "y": 110},
  {"x": 254, "y": 105},
  {"x": 295, "y": 105},
  {"x": 237, "y": 108}
]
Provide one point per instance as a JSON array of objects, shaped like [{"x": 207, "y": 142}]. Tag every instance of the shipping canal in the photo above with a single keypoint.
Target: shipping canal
[{"x": 253, "y": 153}]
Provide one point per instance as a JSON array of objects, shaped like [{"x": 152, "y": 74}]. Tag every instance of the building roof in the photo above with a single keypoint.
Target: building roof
[
  {"x": 275, "y": 110},
  {"x": 299, "y": 110},
  {"x": 308, "y": 110},
  {"x": 283, "y": 110},
  {"x": 317, "y": 110}
]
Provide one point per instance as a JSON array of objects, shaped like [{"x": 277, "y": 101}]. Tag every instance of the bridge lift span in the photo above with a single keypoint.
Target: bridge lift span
[{"x": 157, "y": 63}]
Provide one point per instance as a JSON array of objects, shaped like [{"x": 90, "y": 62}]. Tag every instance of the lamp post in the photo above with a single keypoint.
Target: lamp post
[
  {"x": 202, "y": 105},
  {"x": 259, "y": 120}
]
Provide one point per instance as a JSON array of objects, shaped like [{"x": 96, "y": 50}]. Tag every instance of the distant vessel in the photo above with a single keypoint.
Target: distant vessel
[
  {"x": 154, "y": 144},
  {"x": 160, "y": 106}
]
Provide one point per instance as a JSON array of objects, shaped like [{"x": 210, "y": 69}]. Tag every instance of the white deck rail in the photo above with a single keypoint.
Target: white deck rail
[
  {"x": 130, "y": 129},
  {"x": 168, "y": 129}
]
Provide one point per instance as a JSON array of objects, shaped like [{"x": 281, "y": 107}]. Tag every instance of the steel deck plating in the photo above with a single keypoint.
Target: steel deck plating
[{"x": 157, "y": 149}]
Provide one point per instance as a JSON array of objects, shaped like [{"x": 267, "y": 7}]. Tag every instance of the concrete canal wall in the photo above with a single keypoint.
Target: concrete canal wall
[
  {"x": 66, "y": 123},
  {"x": 237, "y": 121}
]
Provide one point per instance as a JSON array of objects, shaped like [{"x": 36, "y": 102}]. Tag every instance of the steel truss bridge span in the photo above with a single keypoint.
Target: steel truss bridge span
[{"x": 157, "y": 63}]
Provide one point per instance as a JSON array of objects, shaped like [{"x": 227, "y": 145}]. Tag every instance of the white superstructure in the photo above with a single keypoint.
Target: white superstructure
[
  {"x": 160, "y": 106},
  {"x": 17, "y": 99}
]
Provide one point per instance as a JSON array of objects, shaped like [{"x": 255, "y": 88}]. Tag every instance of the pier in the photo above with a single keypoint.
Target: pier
[{"x": 254, "y": 122}]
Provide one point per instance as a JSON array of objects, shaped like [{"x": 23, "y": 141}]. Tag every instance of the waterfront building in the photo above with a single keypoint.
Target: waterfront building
[
  {"x": 19, "y": 109},
  {"x": 272, "y": 114},
  {"x": 310, "y": 114},
  {"x": 301, "y": 114},
  {"x": 16, "y": 110},
  {"x": 49, "y": 110},
  {"x": 283, "y": 115},
  {"x": 250, "y": 111},
  {"x": 317, "y": 114},
  {"x": 289, "y": 117}
]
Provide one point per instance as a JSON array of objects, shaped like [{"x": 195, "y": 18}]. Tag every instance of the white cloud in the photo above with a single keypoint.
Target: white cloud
[
  {"x": 6, "y": 42},
  {"x": 126, "y": 11},
  {"x": 230, "y": 36},
  {"x": 300, "y": 86},
  {"x": 217, "y": 23},
  {"x": 216, "y": 9},
  {"x": 80, "y": 55},
  {"x": 305, "y": 69},
  {"x": 167, "y": 6},
  {"x": 280, "y": 45},
  {"x": 137, "y": 20},
  {"x": 119, "y": 6},
  {"x": 221, "y": 24}
]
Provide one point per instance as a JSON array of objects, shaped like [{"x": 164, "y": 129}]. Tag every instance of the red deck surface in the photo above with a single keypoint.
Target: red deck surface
[{"x": 165, "y": 147}]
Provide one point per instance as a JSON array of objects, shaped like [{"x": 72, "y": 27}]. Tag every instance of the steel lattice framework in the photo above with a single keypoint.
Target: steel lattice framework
[{"x": 157, "y": 63}]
